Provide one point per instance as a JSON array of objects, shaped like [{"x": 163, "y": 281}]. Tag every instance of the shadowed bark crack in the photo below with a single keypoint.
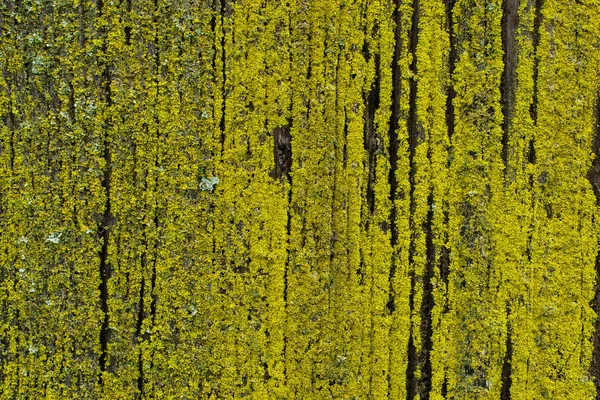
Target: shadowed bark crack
[
  {"x": 427, "y": 304},
  {"x": 510, "y": 20},
  {"x": 107, "y": 218},
  {"x": 416, "y": 137},
  {"x": 225, "y": 12},
  {"x": 536, "y": 41},
  {"x": 594, "y": 178},
  {"x": 393, "y": 149},
  {"x": 451, "y": 66},
  {"x": 507, "y": 364},
  {"x": 370, "y": 138},
  {"x": 282, "y": 151}
]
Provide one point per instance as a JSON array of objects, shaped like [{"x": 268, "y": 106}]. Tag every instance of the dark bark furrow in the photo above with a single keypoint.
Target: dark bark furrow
[
  {"x": 107, "y": 218},
  {"x": 225, "y": 11},
  {"x": 153, "y": 295},
  {"x": 507, "y": 364},
  {"x": 594, "y": 178},
  {"x": 536, "y": 42},
  {"x": 157, "y": 166},
  {"x": 414, "y": 139},
  {"x": 282, "y": 152},
  {"x": 11, "y": 161},
  {"x": 138, "y": 329},
  {"x": 510, "y": 18},
  {"x": 393, "y": 149},
  {"x": 142, "y": 294},
  {"x": 127, "y": 28},
  {"x": 289, "y": 197},
  {"x": 370, "y": 137},
  {"x": 451, "y": 93},
  {"x": 426, "y": 329},
  {"x": 289, "y": 234},
  {"x": 288, "y": 224},
  {"x": 103, "y": 233}
]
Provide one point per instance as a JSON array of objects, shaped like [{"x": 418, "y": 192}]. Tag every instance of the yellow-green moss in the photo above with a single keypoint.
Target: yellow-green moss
[{"x": 228, "y": 279}]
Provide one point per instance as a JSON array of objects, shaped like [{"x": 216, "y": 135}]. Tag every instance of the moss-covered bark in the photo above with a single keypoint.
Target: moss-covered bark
[{"x": 299, "y": 199}]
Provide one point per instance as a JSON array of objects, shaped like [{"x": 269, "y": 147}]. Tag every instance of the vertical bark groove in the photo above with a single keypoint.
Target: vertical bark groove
[
  {"x": 510, "y": 20},
  {"x": 157, "y": 166},
  {"x": 288, "y": 222},
  {"x": 103, "y": 233},
  {"x": 510, "y": 17},
  {"x": 282, "y": 152},
  {"x": 415, "y": 137},
  {"x": 451, "y": 65},
  {"x": 507, "y": 364},
  {"x": 107, "y": 218},
  {"x": 225, "y": 11},
  {"x": 536, "y": 42},
  {"x": 138, "y": 330},
  {"x": 141, "y": 303},
  {"x": 127, "y": 29},
  {"x": 393, "y": 150},
  {"x": 370, "y": 138},
  {"x": 426, "y": 329},
  {"x": 594, "y": 178}
]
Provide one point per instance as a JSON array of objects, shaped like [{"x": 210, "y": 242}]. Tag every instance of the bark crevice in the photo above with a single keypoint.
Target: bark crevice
[
  {"x": 157, "y": 167},
  {"x": 225, "y": 11},
  {"x": 510, "y": 20},
  {"x": 371, "y": 140},
  {"x": 452, "y": 55},
  {"x": 282, "y": 152},
  {"x": 536, "y": 42},
  {"x": 594, "y": 178},
  {"x": 393, "y": 146},
  {"x": 416, "y": 137},
  {"x": 507, "y": 363},
  {"x": 107, "y": 220},
  {"x": 138, "y": 330},
  {"x": 427, "y": 304}
]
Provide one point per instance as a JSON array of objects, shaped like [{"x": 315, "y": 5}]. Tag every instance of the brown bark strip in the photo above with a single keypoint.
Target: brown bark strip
[
  {"x": 127, "y": 28},
  {"x": 393, "y": 150},
  {"x": 510, "y": 20},
  {"x": 411, "y": 381},
  {"x": 426, "y": 328},
  {"x": 288, "y": 224},
  {"x": 370, "y": 137},
  {"x": 103, "y": 233},
  {"x": 282, "y": 151},
  {"x": 153, "y": 294},
  {"x": 594, "y": 178},
  {"x": 536, "y": 41},
  {"x": 225, "y": 11},
  {"x": 451, "y": 66},
  {"x": 415, "y": 137},
  {"x": 507, "y": 365},
  {"x": 159, "y": 139},
  {"x": 82, "y": 38},
  {"x": 444, "y": 261},
  {"x": 11, "y": 118},
  {"x": 141, "y": 305},
  {"x": 283, "y": 165},
  {"x": 138, "y": 330},
  {"x": 107, "y": 218}
]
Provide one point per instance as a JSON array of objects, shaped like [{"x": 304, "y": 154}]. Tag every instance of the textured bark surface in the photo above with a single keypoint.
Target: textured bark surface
[{"x": 359, "y": 199}]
